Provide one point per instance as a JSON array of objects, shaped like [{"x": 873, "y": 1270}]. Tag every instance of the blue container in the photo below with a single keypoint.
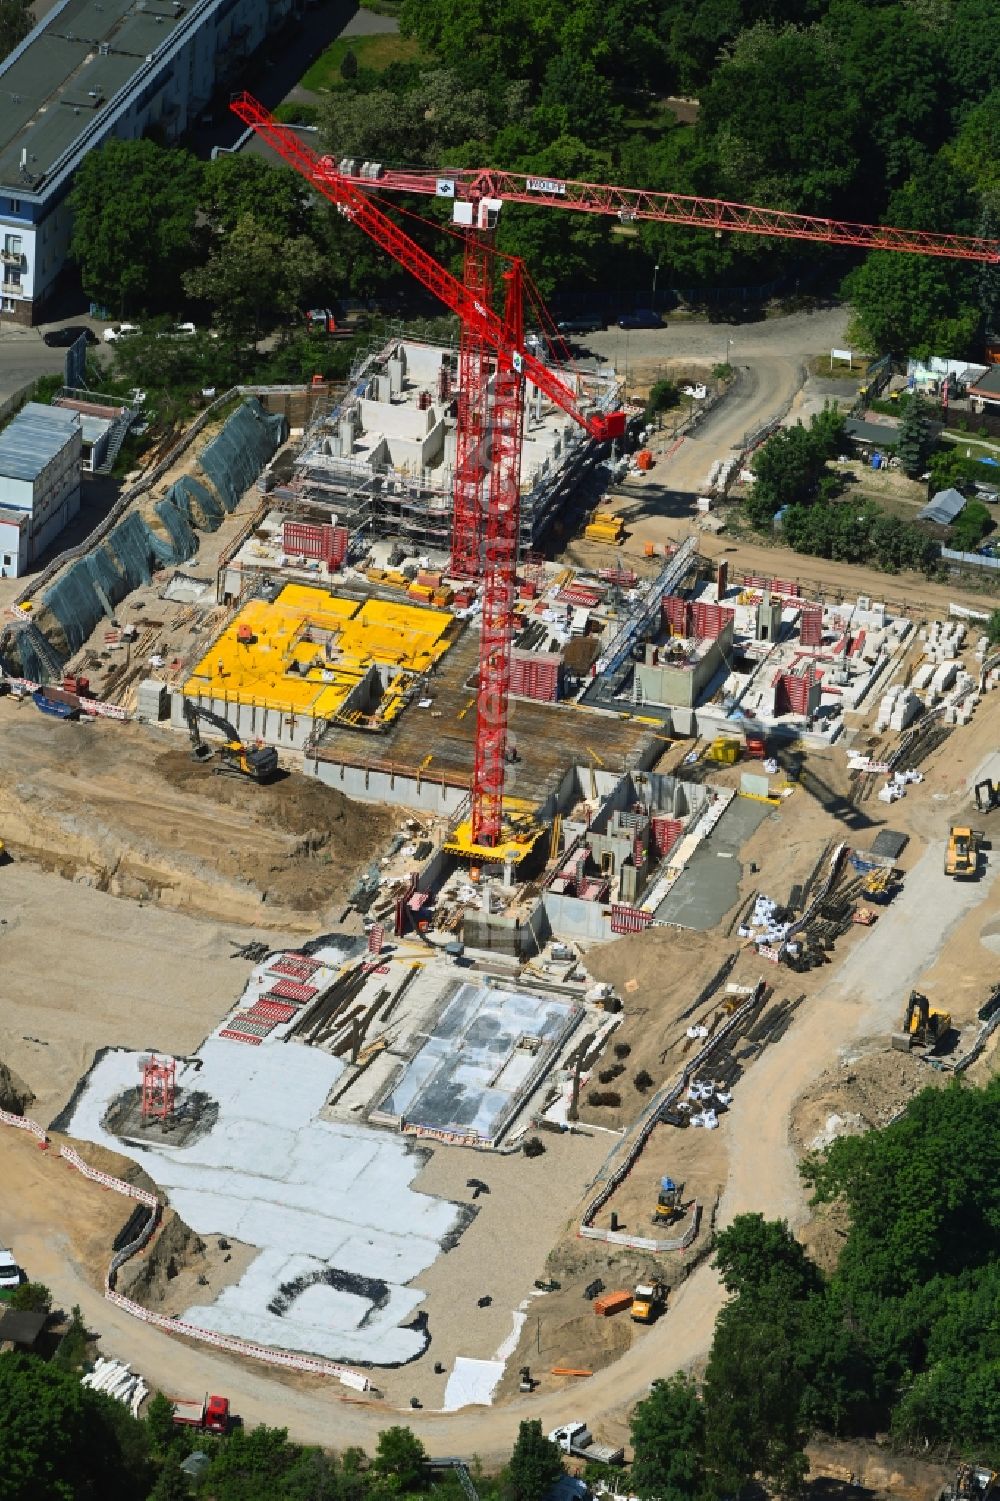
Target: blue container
[{"x": 876, "y": 461}]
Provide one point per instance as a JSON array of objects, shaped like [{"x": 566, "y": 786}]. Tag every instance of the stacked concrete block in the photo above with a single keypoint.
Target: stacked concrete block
[
  {"x": 944, "y": 639},
  {"x": 944, "y": 677},
  {"x": 898, "y": 708},
  {"x": 923, "y": 676}
]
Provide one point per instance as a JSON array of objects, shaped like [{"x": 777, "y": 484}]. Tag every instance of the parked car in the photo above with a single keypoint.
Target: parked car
[
  {"x": 120, "y": 331},
  {"x": 62, "y": 338},
  {"x": 580, "y": 325},
  {"x": 10, "y": 1272},
  {"x": 641, "y": 318},
  {"x": 184, "y": 328}
]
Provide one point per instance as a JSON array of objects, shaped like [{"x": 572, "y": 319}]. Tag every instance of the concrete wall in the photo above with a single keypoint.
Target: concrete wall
[
  {"x": 572, "y": 920},
  {"x": 506, "y": 935},
  {"x": 252, "y": 722},
  {"x": 663, "y": 683},
  {"x": 423, "y": 795}
]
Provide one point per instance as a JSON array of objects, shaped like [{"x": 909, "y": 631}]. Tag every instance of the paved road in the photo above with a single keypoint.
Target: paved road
[
  {"x": 861, "y": 1000},
  {"x": 23, "y": 358}
]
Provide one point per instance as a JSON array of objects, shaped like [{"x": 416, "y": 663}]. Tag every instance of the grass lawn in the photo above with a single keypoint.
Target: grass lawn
[
  {"x": 977, "y": 449},
  {"x": 373, "y": 52}
]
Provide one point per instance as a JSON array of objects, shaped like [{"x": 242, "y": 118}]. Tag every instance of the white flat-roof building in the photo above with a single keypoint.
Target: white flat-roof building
[
  {"x": 91, "y": 70},
  {"x": 40, "y": 455}
]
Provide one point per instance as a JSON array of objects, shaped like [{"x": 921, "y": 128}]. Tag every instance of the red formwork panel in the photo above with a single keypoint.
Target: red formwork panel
[
  {"x": 665, "y": 831},
  {"x": 535, "y": 675},
  {"x": 677, "y": 615},
  {"x": 811, "y": 628},
  {"x": 320, "y": 540},
  {"x": 708, "y": 620}
]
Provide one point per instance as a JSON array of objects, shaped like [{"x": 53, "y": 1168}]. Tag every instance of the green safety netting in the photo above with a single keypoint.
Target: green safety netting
[{"x": 91, "y": 587}]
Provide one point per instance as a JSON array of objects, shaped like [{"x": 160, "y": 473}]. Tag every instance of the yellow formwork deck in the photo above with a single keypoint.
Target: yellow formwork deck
[
  {"x": 519, "y": 836},
  {"x": 308, "y": 650}
]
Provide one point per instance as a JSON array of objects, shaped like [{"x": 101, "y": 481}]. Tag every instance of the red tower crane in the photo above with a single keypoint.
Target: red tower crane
[
  {"x": 491, "y": 447},
  {"x": 490, "y": 442}
]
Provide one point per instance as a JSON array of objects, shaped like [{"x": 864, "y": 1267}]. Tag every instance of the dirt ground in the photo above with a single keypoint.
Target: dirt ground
[
  {"x": 84, "y": 970},
  {"x": 122, "y": 808}
]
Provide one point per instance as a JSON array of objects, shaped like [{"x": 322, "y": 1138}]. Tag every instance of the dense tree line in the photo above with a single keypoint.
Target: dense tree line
[
  {"x": 792, "y": 477},
  {"x": 847, "y": 108},
  {"x": 860, "y": 109},
  {"x": 902, "y": 1335},
  {"x": 63, "y": 1442}
]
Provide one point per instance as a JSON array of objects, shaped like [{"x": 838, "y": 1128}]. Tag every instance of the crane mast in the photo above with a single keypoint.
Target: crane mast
[{"x": 489, "y": 448}]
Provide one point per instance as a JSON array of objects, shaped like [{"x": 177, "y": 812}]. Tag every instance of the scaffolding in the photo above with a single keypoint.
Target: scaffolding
[
  {"x": 158, "y": 1088},
  {"x": 376, "y": 498}
]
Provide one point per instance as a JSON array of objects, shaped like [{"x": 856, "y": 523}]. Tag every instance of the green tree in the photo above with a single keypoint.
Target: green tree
[
  {"x": 171, "y": 1483},
  {"x": 753, "y": 1254},
  {"x": 751, "y": 1392},
  {"x": 235, "y": 186},
  {"x": 916, "y": 304},
  {"x": 535, "y": 1463},
  {"x": 399, "y": 1457},
  {"x": 254, "y": 276},
  {"x": 784, "y": 125},
  {"x": 349, "y": 66},
  {"x": 915, "y": 439},
  {"x": 135, "y": 207},
  {"x": 31, "y": 1297},
  {"x": 971, "y": 525},
  {"x": 15, "y": 23},
  {"x": 160, "y": 1421},
  {"x": 993, "y": 627},
  {"x": 62, "y": 1441},
  {"x": 788, "y": 467},
  {"x": 668, "y": 1440}
]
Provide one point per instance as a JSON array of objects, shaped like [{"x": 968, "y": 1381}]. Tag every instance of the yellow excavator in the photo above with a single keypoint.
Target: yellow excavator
[
  {"x": 668, "y": 1202},
  {"x": 922, "y": 1027},
  {"x": 258, "y": 763},
  {"x": 961, "y": 858}
]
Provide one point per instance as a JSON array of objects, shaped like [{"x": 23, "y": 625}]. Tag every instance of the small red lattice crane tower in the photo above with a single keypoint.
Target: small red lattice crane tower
[{"x": 158, "y": 1088}]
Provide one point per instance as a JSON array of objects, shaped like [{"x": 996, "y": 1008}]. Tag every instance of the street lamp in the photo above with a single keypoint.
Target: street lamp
[
  {"x": 656, "y": 272},
  {"x": 729, "y": 345}
]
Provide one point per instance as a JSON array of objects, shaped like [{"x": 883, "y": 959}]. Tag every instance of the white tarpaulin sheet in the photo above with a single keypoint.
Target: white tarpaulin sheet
[{"x": 472, "y": 1383}]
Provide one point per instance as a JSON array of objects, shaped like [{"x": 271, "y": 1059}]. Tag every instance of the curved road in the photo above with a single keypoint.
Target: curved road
[{"x": 860, "y": 1000}]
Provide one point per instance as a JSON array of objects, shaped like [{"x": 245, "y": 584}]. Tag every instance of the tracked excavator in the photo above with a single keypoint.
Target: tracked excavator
[
  {"x": 922, "y": 1027},
  {"x": 258, "y": 763}
]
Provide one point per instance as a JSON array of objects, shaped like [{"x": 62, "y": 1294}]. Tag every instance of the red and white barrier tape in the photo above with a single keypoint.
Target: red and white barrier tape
[
  {"x": 285, "y": 1358},
  {"x": 118, "y": 1184},
  {"x": 23, "y": 1124}
]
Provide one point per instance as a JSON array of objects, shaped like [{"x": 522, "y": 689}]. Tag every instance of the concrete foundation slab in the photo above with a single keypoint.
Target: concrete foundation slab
[
  {"x": 487, "y": 1047},
  {"x": 709, "y": 885}
]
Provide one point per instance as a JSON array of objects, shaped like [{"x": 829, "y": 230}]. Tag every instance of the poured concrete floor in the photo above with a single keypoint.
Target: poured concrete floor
[
  {"x": 710, "y": 884},
  {"x": 485, "y": 1046}
]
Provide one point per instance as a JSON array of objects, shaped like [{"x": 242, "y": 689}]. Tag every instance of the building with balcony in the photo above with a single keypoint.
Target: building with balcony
[{"x": 90, "y": 70}]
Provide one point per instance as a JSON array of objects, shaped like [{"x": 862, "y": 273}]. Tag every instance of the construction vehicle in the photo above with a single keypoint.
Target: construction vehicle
[
  {"x": 648, "y": 1302},
  {"x": 987, "y": 795},
  {"x": 211, "y": 1415},
  {"x": 577, "y": 1439},
  {"x": 922, "y": 1027},
  {"x": 668, "y": 1202},
  {"x": 258, "y": 762},
  {"x": 961, "y": 858},
  {"x": 972, "y": 1482}
]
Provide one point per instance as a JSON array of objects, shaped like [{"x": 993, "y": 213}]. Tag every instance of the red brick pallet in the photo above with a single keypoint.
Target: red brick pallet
[
  {"x": 254, "y": 1042},
  {"x": 270, "y": 1011},
  {"x": 298, "y": 969},
  {"x": 288, "y": 990}
]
